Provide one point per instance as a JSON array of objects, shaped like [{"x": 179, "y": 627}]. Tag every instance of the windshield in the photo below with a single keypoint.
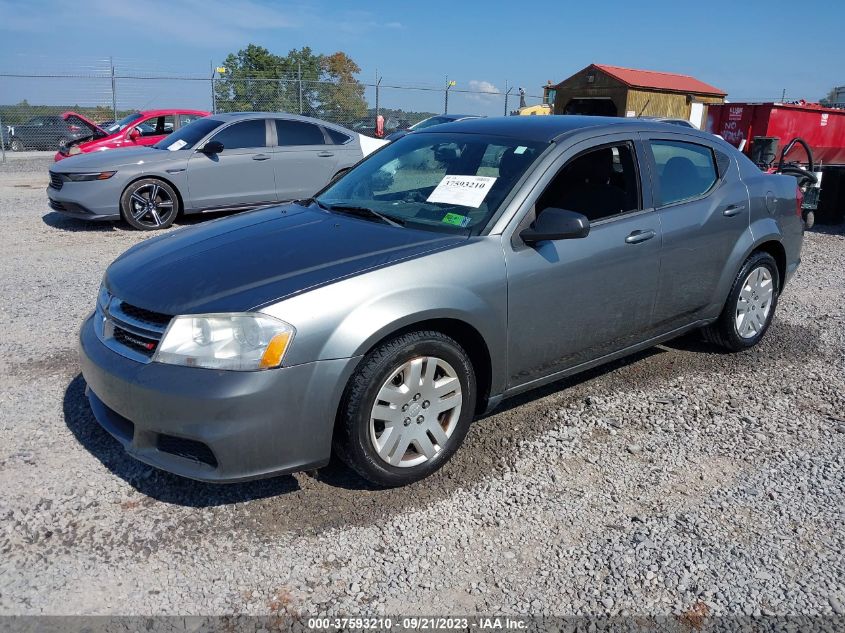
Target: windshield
[
  {"x": 440, "y": 182},
  {"x": 120, "y": 125},
  {"x": 435, "y": 120},
  {"x": 188, "y": 135}
]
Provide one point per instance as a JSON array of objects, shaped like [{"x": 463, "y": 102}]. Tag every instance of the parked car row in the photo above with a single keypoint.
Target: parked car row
[
  {"x": 50, "y": 131},
  {"x": 378, "y": 314}
]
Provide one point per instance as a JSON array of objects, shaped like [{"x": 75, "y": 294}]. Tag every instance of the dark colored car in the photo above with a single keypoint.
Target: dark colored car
[
  {"x": 51, "y": 131},
  {"x": 459, "y": 266},
  {"x": 429, "y": 122}
]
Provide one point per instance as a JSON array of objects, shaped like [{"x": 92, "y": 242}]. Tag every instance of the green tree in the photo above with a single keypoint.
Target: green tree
[
  {"x": 300, "y": 82},
  {"x": 342, "y": 95}
]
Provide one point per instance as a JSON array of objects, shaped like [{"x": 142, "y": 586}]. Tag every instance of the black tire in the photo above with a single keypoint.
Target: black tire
[
  {"x": 63, "y": 143},
  {"x": 166, "y": 205},
  {"x": 723, "y": 331},
  {"x": 352, "y": 441},
  {"x": 16, "y": 145}
]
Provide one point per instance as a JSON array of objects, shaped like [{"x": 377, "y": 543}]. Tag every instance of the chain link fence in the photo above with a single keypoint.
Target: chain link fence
[{"x": 50, "y": 110}]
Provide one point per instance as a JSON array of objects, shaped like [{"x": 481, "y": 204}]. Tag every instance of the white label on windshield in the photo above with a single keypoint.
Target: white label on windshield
[
  {"x": 520, "y": 150},
  {"x": 466, "y": 191},
  {"x": 176, "y": 145}
]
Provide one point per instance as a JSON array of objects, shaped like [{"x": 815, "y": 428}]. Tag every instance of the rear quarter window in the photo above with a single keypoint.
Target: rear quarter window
[{"x": 684, "y": 170}]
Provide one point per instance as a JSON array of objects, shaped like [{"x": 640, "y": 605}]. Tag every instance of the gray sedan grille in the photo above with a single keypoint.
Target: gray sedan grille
[
  {"x": 131, "y": 331},
  {"x": 56, "y": 181}
]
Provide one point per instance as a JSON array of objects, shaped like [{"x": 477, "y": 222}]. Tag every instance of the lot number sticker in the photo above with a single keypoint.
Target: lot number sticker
[
  {"x": 466, "y": 191},
  {"x": 176, "y": 145}
]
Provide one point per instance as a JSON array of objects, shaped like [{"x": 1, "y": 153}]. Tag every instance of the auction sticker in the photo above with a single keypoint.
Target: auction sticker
[
  {"x": 466, "y": 191},
  {"x": 176, "y": 145}
]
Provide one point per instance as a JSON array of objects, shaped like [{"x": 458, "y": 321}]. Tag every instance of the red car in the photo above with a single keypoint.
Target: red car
[{"x": 136, "y": 129}]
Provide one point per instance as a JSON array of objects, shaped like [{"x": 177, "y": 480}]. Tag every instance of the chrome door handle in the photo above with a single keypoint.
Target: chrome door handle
[
  {"x": 733, "y": 209},
  {"x": 325, "y": 154},
  {"x": 639, "y": 236},
  {"x": 261, "y": 157}
]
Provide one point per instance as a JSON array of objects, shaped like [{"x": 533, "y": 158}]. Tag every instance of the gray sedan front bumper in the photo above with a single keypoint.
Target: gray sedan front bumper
[{"x": 211, "y": 425}]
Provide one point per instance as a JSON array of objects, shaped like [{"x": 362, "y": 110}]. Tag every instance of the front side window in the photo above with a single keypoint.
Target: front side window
[
  {"x": 243, "y": 135},
  {"x": 189, "y": 135},
  {"x": 684, "y": 170},
  {"x": 156, "y": 126},
  {"x": 600, "y": 183},
  {"x": 298, "y": 133},
  {"x": 440, "y": 182}
]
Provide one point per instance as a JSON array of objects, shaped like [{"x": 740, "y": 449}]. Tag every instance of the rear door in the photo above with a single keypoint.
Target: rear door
[
  {"x": 303, "y": 159},
  {"x": 240, "y": 176},
  {"x": 704, "y": 209}
]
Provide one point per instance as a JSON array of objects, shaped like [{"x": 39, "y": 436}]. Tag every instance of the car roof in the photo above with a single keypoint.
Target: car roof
[
  {"x": 236, "y": 116},
  {"x": 165, "y": 111},
  {"x": 549, "y": 128}
]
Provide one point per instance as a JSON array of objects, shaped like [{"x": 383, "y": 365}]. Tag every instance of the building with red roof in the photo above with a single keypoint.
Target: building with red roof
[{"x": 605, "y": 90}]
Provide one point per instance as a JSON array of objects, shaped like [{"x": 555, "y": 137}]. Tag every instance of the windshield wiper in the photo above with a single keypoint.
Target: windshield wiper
[
  {"x": 366, "y": 212},
  {"x": 307, "y": 202}
]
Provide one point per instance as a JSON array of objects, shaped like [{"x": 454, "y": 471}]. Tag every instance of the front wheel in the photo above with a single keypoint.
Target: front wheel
[
  {"x": 149, "y": 204},
  {"x": 750, "y": 307},
  {"x": 16, "y": 145},
  {"x": 407, "y": 409}
]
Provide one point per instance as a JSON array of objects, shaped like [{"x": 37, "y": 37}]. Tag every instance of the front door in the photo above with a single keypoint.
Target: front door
[
  {"x": 240, "y": 176},
  {"x": 703, "y": 214},
  {"x": 572, "y": 301}
]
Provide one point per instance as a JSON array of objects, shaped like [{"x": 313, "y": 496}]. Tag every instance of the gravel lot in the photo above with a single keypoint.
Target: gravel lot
[{"x": 681, "y": 480}]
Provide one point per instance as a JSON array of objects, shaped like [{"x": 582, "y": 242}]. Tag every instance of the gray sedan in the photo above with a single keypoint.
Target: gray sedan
[
  {"x": 456, "y": 267},
  {"x": 227, "y": 162}
]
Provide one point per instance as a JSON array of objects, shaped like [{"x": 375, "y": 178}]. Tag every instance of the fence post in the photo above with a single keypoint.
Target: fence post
[
  {"x": 113, "y": 90},
  {"x": 2, "y": 142},
  {"x": 299, "y": 74}
]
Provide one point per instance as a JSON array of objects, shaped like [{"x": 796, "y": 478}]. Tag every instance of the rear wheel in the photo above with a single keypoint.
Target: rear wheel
[
  {"x": 16, "y": 145},
  {"x": 63, "y": 143},
  {"x": 407, "y": 409},
  {"x": 149, "y": 204},
  {"x": 750, "y": 307}
]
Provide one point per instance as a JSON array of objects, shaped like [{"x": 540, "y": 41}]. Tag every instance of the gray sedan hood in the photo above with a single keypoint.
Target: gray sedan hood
[
  {"x": 116, "y": 158},
  {"x": 256, "y": 258}
]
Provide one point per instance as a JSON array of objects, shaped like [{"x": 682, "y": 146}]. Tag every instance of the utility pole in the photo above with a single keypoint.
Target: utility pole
[
  {"x": 113, "y": 90},
  {"x": 2, "y": 142},
  {"x": 783, "y": 96},
  {"x": 507, "y": 92},
  {"x": 449, "y": 84},
  {"x": 378, "y": 84}
]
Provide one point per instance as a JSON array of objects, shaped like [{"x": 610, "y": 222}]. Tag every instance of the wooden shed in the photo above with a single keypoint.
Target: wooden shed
[{"x": 615, "y": 91}]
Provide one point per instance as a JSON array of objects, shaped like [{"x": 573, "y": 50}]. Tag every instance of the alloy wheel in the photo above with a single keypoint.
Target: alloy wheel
[
  {"x": 416, "y": 411},
  {"x": 754, "y": 302},
  {"x": 150, "y": 205}
]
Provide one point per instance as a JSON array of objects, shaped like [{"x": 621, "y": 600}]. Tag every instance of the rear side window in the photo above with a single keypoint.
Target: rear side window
[
  {"x": 684, "y": 170},
  {"x": 338, "y": 138},
  {"x": 298, "y": 133},
  {"x": 243, "y": 135}
]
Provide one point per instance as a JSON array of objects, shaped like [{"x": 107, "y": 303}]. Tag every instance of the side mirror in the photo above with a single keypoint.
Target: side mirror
[
  {"x": 134, "y": 134},
  {"x": 212, "y": 147},
  {"x": 556, "y": 224}
]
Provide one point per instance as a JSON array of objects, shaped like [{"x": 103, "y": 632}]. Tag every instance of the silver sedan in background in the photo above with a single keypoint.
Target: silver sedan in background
[{"x": 226, "y": 162}]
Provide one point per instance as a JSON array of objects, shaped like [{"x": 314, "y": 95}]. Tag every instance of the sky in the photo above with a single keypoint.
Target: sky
[{"x": 752, "y": 50}]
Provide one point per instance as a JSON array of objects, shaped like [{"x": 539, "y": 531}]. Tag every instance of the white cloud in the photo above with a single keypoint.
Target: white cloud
[{"x": 483, "y": 91}]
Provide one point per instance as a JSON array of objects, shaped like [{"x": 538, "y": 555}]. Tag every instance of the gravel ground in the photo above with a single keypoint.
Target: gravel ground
[{"x": 679, "y": 481}]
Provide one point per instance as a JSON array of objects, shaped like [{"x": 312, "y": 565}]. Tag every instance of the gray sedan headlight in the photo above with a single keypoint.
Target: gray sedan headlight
[
  {"x": 238, "y": 341},
  {"x": 97, "y": 175}
]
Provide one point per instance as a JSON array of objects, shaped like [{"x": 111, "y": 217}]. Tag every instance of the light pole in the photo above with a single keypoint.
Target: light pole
[{"x": 449, "y": 84}]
